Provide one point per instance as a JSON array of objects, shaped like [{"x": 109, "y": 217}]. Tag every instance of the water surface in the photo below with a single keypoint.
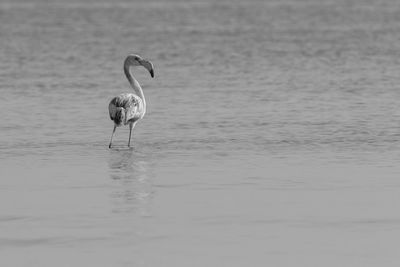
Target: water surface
[{"x": 271, "y": 136}]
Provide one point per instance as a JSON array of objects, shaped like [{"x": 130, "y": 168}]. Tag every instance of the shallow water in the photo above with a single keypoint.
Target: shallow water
[{"x": 271, "y": 135}]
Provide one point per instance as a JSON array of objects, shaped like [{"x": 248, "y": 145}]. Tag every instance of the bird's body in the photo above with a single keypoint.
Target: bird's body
[
  {"x": 132, "y": 106},
  {"x": 128, "y": 108}
]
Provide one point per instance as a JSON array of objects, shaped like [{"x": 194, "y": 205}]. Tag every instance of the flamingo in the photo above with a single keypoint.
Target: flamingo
[{"x": 129, "y": 108}]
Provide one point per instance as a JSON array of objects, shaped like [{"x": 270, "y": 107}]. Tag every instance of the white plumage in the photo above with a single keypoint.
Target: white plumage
[{"x": 128, "y": 108}]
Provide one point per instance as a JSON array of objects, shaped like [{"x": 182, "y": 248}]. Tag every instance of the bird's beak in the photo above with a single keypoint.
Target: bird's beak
[{"x": 148, "y": 65}]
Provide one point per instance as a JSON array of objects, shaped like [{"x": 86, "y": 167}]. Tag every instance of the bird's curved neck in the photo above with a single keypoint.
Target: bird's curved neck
[{"x": 134, "y": 83}]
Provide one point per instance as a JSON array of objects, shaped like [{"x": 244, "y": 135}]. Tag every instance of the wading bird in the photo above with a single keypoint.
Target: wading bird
[{"x": 128, "y": 108}]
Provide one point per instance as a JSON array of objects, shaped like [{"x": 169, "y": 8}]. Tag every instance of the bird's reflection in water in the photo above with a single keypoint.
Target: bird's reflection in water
[{"x": 129, "y": 172}]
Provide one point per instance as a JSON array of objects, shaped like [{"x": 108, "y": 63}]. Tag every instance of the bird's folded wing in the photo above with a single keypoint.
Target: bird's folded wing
[
  {"x": 131, "y": 113},
  {"x": 112, "y": 109}
]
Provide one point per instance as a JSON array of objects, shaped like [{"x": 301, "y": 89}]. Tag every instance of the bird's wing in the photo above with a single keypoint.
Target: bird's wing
[
  {"x": 112, "y": 109},
  {"x": 120, "y": 101},
  {"x": 133, "y": 108}
]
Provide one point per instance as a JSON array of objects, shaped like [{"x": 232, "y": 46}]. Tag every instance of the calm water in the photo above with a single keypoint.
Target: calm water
[{"x": 271, "y": 137}]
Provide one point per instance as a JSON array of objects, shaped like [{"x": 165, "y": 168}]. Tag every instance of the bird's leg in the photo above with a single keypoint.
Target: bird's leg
[
  {"x": 130, "y": 133},
  {"x": 112, "y": 135}
]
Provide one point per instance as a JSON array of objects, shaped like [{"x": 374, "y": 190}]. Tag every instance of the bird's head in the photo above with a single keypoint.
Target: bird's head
[{"x": 136, "y": 60}]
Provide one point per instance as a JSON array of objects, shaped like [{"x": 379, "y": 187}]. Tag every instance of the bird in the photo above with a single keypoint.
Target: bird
[{"x": 129, "y": 108}]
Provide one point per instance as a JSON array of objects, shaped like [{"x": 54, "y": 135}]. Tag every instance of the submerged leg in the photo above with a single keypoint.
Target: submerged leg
[
  {"x": 130, "y": 133},
  {"x": 131, "y": 126},
  {"x": 112, "y": 135}
]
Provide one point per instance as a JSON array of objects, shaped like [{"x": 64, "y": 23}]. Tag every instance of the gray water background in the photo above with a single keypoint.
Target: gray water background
[{"x": 271, "y": 137}]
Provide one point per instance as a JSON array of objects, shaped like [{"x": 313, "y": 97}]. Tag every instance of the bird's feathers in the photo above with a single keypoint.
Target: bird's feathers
[{"x": 130, "y": 104}]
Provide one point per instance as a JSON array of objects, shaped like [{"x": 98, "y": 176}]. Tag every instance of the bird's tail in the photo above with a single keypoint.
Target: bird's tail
[{"x": 119, "y": 116}]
